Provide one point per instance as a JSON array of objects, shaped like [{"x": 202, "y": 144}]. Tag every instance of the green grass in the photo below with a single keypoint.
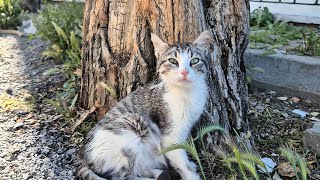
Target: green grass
[
  {"x": 269, "y": 34},
  {"x": 12, "y": 103}
]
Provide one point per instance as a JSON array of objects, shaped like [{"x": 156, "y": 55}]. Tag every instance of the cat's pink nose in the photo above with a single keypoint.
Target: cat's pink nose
[{"x": 184, "y": 72}]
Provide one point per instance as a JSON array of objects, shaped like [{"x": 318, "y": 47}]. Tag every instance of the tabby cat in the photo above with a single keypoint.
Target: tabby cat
[{"x": 126, "y": 143}]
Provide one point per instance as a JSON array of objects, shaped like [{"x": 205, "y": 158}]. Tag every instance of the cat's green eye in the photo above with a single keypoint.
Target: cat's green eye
[
  {"x": 173, "y": 61},
  {"x": 194, "y": 61}
]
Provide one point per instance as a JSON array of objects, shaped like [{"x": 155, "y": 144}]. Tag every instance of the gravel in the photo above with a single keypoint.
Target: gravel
[{"x": 31, "y": 145}]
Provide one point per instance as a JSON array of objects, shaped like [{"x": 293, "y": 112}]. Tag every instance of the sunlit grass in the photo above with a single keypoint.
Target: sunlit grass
[{"x": 12, "y": 103}]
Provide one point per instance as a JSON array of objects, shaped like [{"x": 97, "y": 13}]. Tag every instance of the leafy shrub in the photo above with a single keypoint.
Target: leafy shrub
[
  {"x": 9, "y": 12},
  {"x": 261, "y": 17},
  {"x": 61, "y": 25},
  {"x": 311, "y": 43},
  {"x": 68, "y": 16}
]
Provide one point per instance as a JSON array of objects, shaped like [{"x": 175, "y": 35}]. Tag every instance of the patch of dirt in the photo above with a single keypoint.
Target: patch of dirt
[
  {"x": 275, "y": 125},
  {"x": 32, "y": 145}
]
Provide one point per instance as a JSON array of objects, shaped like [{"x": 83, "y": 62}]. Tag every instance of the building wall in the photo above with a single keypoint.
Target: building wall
[{"x": 297, "y": 11}]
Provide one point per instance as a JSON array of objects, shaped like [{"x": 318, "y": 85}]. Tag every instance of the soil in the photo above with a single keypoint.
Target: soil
[
  {"x": 275, "y": 125},
  {"x": 30, "y": 146}
]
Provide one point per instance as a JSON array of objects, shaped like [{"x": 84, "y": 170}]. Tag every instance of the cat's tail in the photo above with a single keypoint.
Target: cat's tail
[{"x": 84, "y": 172}]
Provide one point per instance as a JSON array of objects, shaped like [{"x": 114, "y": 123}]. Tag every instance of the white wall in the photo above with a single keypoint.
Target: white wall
[{"x": 292, "y": 12}]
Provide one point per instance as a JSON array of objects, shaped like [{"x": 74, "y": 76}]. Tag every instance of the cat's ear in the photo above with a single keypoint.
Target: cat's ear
[
  {"x": 158, "y": 44},
  {"x": 204, "y": 40}
]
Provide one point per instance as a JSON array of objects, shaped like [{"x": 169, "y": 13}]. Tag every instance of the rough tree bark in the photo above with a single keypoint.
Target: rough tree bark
[{"x": 117, "y": 54}]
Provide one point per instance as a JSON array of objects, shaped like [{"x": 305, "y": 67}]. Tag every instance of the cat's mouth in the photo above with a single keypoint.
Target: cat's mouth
[{"x": 184, "y": 79}]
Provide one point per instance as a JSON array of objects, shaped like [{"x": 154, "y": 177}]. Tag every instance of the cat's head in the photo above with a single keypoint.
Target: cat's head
[{"x": 183, "y": 65}]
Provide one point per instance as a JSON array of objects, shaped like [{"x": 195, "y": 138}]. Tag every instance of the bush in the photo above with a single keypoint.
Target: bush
[
  {"x": 9, "y": 13},
  {"x": 68, "y": 16},
  {"x": 61, "y": 25},
  {"x": 261, "y": 17}
]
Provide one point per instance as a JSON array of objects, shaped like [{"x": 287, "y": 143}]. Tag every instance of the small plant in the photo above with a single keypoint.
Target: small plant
[
  {"x": 65, "y": 101},
  {"x": 241, "y": 162},
  {"x": 190, "y": 147},
  {"x": 295, "y": 159},
  {"x": 67, "y": 16},
  {"x": 237, "y": 162},
  {"x": 9, "y": 12},
  {"x": 261, "y": 17},
  {"x": 61, "y": 25},
  {"x": 70, "y": 56},
  {"x": 311, "y": 43},
  {"x": 249, "y": 72}
]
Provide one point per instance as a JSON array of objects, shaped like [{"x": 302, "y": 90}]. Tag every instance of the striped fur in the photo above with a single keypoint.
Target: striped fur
[{"x": 126, "y": 143}]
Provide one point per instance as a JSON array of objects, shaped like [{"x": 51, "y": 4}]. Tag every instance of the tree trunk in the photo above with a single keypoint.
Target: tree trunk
[{"x": 117, "y": 54}]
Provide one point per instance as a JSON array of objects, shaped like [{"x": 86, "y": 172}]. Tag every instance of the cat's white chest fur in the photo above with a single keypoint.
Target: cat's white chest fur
[{"x": 185, "y": 108}]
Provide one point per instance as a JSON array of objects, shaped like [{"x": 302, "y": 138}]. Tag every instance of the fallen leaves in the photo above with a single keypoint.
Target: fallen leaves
[
  {"x": 285, "y": 169},
  {"x": 295, "y": 99},
  {"x": 83, "y": 117}
]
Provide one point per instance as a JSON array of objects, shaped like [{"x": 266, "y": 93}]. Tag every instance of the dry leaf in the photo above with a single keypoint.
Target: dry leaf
[
  {"x": 77, "y": 72},
  {"x": 295, "y": 99},
  {"x": 285, "y": 169},
  {"x": 83, "y": 116}
]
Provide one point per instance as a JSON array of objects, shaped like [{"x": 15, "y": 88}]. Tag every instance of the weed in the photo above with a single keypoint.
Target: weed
[
  {"x": 61, "y": 25},
  {"x": 65, "y": 101},
  {"x": 68, "y": 16},
  {"x": 245, "y": 161},
  {"x": 295, "y": 159},
  {"x": 249, "y": 72},
  {"x": 261, "y": 17},
  {"x": 311, "y": 43},
  {"x": 70, "y": 56},
  {"x": 270, "y": 35},
  {"x": 9, "y": 13}
]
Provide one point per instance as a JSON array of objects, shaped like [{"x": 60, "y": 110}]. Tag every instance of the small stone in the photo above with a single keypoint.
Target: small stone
[
  {"x": 267, "y": 100},
  {"x": 308, "y": 101},
  {"x": 314, "y": 119},
  {"x": 71, "y": 151},
  {"x": 314, "y": 114},
  {"x": 17, "y": 125},
  {"x": 311, "y": 137},
  {"x": 274, "y": 155},
  {"x": 282, "y": 98},
  {"x": 285, "y": 115},
  {"x": 295, "y": 99},
  {"x": 25, "y": 176},
  {"x": 272, "y": 93}
]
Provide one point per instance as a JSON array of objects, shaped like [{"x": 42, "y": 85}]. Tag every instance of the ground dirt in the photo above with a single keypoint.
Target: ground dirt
[{"x": 30, "y": 146}]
